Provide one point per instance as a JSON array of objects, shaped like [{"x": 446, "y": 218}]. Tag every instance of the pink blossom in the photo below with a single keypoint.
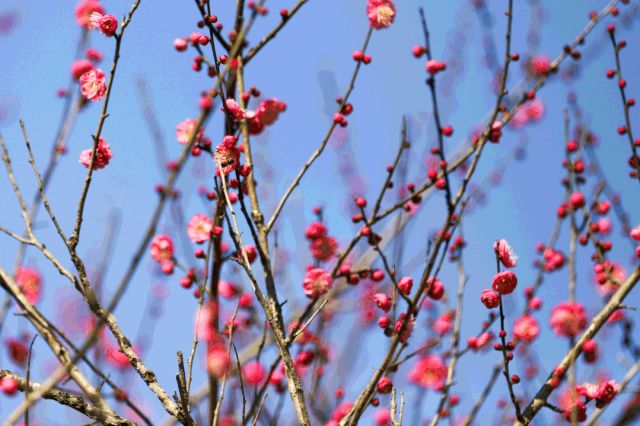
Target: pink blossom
[
  {"x": 161, "y": 248},
  {"x": 227, "y": 157},
  {"x": 590, "y": 390},
  {"x": 580, "y": 410},
  {"x": 526, "y": 329},
  {"x": 383, "y": 301},
  {"x": 255, "y": 125},
  {"x": 234, "y": 109},
  {"x": 606, "y": 392},
  {"x": 205, "y": 322},
  {"x": 568, "y": 319},
  {"x": 505, "y": 251},
  {"x": 218, "y": 362},
  {"x": 382, "y": 417},
  {"x": 317, "y": 282},
  {"x": 428, "y": 372},
  {"x": 443, "y": 324},
  {"x": 604, "y": 225},
  {"x": 433, "y": 66},
  {"x": 79, "y": 67},
  {"x": 199, "y": 228},
  {"x": 490, "y": 299},
  {"x": 252, "y": 254},
  {"x": 408, "y": 330},
  {"x": 519, "y": 119},
  {"x": 95, "y": 19},
  {"x": 540, "y": 64},
  {"x": 85, "y": 9},
  {"x": 108, "y": 25},
  {"x": 185, "y": 129},
  {"x": 268, "y": 111},
  {"x": 496, "y": 133},
  {"x": 342, "y": 410},
  {"x": 180, "y": 44},
  {"x": 384, "y": 385},
  {"x": 405, "y": 284},
  {"x": 534, "y": 109},
  {"x": 436, "y": 288},
  {"x": 227, "y": 289},
  {"x": 381, "y": 13},
  {"x": 504, "y": 282},
  {"x": 92, "y": 84},
  {"x": 324, "y": 248},
  {"x": 481, "y": 342},
  {"x": 315, "y": 231},
  {"x": 28, "y": 279},
  {"x": 8, "y": 385},
  {"x": 253, "y": 373},
  {"x": 94, "y": 54},
  {"x": 103, "y": 155}
]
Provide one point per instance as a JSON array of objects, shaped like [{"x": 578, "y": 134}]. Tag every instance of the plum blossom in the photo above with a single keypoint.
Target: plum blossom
[
  {"x": 408, "y": 330},
  {"x": 218, "y": 361},
  {"x": 253, "y": 373},
  {"x": 226, "y": 157},
  {"x": 443, "y": 324},
  {"x": 185, "y": 129},
  {"x": 107, "y": 24},
  {"x": 234, "y": 109},
  {"x": 324, "y": 248},
  {"x": 382, "y": 417},
  {"x": 8, "y": 385},
  {"x": 381, "y": 13},
  {"x": 383, "y": 302},
  {"x": 268, "y": 111},
  {"x": 199, "y": 228},
  {"x": 28, "y": 279},
  {"x": 317, "y": 282},
  {"x": 496, "y": 133},
  {"x": 103, "y": 155},
  {"x": 315, "y": 231},
  {"x": 79, "y": 67},
  {"x": 161, "y": 248},
  {"x": 505, "y": 252},
  {"x": 428, "y": 372},
  {"x": 568, "y": 319},
  {"x": 85, "y": 9},
  {"x": 481, "y": 342},
  {"x": 504, "y": 282},
  {"x": 526, "y": 329},
  {"x": 18, "y": 351},
  {"x": 490, "y": 299},
  {"x": 92, "y": 84},
  {"x": 581, "y": 412},
  {"x": 436, "y": 288}
]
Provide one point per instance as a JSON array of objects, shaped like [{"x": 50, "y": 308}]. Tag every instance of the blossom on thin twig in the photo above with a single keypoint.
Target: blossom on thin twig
[
  {"x": 92, "y": 84},
  {"x": 103, "y": 155}
]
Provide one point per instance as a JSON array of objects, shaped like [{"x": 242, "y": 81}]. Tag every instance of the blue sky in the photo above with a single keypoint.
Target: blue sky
[{"x": 308, "y": 63}]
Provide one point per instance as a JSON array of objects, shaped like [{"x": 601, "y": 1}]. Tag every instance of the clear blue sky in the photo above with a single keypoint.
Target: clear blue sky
[{"x": 307, "y": 63}]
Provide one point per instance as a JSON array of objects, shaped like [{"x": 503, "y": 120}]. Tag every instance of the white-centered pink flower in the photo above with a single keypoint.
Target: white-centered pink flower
[
  {"x": 92, "y": 84},
  {"x": 85, "y": 9},
  {"x": 199, "y": 228},
  {"x": 381, "y": 13}
]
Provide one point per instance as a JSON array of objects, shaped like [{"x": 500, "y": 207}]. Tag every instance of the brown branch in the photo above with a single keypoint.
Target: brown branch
[
  {"x": 72, "y": 401},
  {"x": 598, "y": 321},
  {"x": 254, "y": 51}
]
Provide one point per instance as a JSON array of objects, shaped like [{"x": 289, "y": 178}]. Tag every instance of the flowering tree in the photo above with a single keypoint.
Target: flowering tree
[{"x": 283, "y": 333}]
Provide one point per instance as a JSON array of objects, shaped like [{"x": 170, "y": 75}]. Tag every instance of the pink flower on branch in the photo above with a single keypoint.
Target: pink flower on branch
[
  {"x": 568, "y": 319},
  {"x": 185, "y": 129},
  {"x": 505, "y": 252},
  {"x": 381, "y": 13},
  {"x": 199, "y": 228},
  {"x": 92, "y": 84},
  {"x": 103, "y": 155},
  {"x": 84, "y": 11},
  {"x": 161, "y": 248},
  {"x": 317, "y": 282}
]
